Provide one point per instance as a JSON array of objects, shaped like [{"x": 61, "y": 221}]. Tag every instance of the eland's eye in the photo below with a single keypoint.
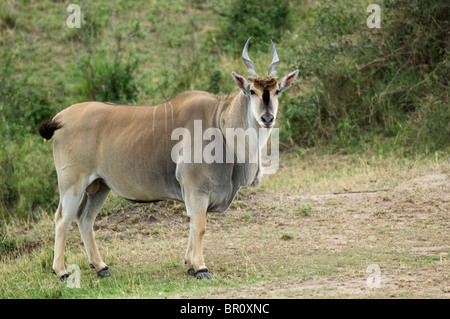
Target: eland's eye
[
  {"x": 252, "y": 92},
  {"x": 277, "y": 92}
]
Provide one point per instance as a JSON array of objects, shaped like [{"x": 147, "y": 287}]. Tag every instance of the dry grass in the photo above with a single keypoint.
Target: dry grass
[{"x": 309, "y": 172}]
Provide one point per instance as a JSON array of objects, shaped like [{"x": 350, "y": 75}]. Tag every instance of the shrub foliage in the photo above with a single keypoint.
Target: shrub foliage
[{"x": 367, "y": 84}]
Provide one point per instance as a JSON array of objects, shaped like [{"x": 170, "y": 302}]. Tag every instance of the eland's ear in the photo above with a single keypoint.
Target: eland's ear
[
  {"x": 288, "y": 80},
  {"x": 241, "y": 82}
]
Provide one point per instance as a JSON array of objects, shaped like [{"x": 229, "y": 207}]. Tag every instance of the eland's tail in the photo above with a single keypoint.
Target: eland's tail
[{"x": 48, "y": 128}]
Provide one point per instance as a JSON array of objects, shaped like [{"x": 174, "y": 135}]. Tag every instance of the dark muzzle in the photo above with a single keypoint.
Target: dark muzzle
[{"x": 267, "y": 119}]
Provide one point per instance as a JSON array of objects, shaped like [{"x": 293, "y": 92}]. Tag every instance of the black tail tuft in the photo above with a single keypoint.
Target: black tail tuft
[{"x": 48, "y": 128}]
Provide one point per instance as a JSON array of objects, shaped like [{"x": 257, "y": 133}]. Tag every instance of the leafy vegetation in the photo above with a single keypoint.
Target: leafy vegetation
[
  {"x": 259, "y": 20},
  {"x": 386, "y": 86},
  {"x": 109, "y": 75},
  {"x": 26, "y": 174}
]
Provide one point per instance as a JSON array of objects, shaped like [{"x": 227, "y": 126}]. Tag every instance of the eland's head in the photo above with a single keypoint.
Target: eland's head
[{"x": 262, "y": 92}]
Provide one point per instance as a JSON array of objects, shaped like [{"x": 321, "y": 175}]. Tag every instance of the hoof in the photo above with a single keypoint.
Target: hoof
[
  {"x": 64, "y": 277},
  {"x": 104, "y": 273},
  {"x": 191, "y": 271},
  {"x": 202, "y": 274}
]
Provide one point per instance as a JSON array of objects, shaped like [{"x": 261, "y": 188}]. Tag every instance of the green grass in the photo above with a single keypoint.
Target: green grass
[{"x": 305, "y": 210}]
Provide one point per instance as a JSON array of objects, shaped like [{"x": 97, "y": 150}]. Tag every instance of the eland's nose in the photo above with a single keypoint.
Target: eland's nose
[{"x": 267, "y": 119}]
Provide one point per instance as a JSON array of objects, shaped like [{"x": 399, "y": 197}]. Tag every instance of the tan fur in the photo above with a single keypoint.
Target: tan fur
[{"x": 128, "y": 149}]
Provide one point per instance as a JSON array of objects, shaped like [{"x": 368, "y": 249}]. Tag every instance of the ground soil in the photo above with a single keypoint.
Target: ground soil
[{"x": 403, "y": 230}]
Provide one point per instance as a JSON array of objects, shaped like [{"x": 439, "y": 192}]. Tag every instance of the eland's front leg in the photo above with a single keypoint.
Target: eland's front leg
[{"x": 196, "y": 207}]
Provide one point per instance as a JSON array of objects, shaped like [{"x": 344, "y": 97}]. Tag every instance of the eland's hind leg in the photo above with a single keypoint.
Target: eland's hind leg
[
  {"x": 94, "y": 198},
  {"x": 67, "y": 209}
]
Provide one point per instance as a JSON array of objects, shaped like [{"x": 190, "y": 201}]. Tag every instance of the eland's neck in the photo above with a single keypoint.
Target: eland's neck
[{"x": 235, "y": 115}]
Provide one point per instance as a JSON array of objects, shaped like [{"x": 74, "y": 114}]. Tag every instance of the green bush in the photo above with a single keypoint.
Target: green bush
[
  {"x": 22, "y": 106},
  {"x": 27, "y": 173},
  {"x": 28, "y": 178},
  {"x": 108, "y": 79},
  {"x": 109, "y": 74},
  {"x": 390, "y": 82},
  {"x": 259, "y": 20},
  {"x": 197, "y": 71}
]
